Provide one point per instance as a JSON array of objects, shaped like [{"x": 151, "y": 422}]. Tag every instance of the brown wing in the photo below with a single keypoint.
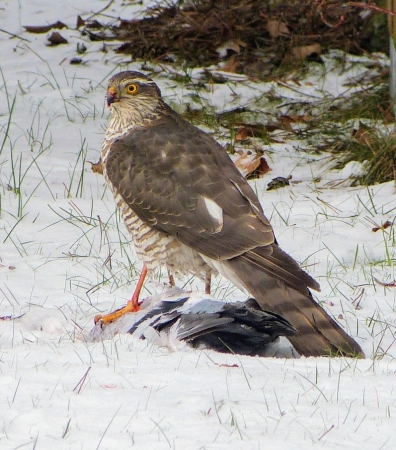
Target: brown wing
[{"x": 181, "y": 181}]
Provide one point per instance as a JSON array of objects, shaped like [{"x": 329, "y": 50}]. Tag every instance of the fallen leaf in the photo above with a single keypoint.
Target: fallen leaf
[
  {"x": 44, "y": 28},
  {"x": 364, "y": 135},
  {"x": 233, "y": 45},
  {"x": 93, "y": 24},
  {"x": 245, "y": 131},
  {"x": 232, "y": 65},
  {"x": 252, "y": 165},
  {"x": 384, "y": 226},
  {"x": 276, "y": 28},
  {"x": 288, "y": 120},
  {"x": 80, "y": 22},
  {"x": 56, "y": 39},
  {"x": 305, "y": 50},
  {"x": 242, "y": 134}
]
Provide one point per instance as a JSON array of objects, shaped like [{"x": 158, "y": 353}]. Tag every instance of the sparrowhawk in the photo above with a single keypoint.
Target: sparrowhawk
[{"x": 188, "y": 208}]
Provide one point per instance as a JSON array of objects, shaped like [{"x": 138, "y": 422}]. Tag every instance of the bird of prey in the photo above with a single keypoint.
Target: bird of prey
[
  {"x": 188, "y": 208},
  {"x": 175, "y": 318}
]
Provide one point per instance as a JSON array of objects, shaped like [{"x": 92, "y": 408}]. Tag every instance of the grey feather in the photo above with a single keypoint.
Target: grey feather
[{"x": 238, "y": 327}]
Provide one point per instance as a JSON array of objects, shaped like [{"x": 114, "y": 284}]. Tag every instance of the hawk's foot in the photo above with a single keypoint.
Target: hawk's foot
[{"x": 131, "y": 307}]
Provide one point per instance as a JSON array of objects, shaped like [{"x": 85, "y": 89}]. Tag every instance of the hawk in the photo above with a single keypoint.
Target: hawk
[{"x": 188, "y": 208}]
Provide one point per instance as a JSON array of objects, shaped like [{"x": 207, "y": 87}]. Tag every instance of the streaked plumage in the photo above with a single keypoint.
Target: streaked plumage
[
  {"x": 176, "y": 318},
  {"x": 187, "y": 207}
]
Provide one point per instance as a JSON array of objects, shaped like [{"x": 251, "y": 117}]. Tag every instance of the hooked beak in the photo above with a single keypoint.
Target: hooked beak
[{"x": 111, "y": 96}]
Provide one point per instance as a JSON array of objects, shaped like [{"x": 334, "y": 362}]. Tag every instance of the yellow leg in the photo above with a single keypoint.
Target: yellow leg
[
  {"x": 131, "y": 306},
  {"x": 208, "y": 282}
]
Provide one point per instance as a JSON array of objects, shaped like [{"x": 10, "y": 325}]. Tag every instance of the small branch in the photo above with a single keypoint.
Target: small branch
[
  {"x": 381, "y": 283},
  {"x": 324, "y": 434},
  {"x": 370, "y": 6},
  {"x": 80, "y": 384},
  {"x": 16, "y": 390},
  {"x": 100, "y": 11},
  {"x": 14, "y": 35}
]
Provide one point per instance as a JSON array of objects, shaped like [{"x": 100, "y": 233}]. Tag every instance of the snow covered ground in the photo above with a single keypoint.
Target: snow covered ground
[{"x": 65, "y": 257}]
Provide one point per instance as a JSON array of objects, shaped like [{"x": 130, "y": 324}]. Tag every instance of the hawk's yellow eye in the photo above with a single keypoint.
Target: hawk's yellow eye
[{"x": 132, "y": 88}]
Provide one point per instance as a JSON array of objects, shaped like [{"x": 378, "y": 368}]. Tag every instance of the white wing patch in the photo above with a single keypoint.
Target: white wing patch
[{"x": 215, "y": 211}]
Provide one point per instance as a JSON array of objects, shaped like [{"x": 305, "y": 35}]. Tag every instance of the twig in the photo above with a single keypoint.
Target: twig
[
  {"x": 314, "y": 385},
  {"x": 162, "y": 432},
  {"x": 14, "y": 35},
  {"x": 80, "y": 384},
  {"x": 370, "y": 6},
  {"x": 108, "y": 426},
  {"x": 11, "y": 318},
  {"x": 100, "y": 11},
  {"x": 16, "y": 390},
  {"x": 324, "y": 434},
  {"x": 67, "y": 429},
  {"x": 336, "y": 210},
  {"x": 381, "y": 283}
]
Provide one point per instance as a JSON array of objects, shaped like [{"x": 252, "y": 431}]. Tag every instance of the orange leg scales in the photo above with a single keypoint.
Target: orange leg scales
[{"x": 130, "y": 307}]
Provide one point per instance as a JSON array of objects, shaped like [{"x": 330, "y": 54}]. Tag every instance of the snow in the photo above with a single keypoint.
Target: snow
[{"x": 65, "y": 257}]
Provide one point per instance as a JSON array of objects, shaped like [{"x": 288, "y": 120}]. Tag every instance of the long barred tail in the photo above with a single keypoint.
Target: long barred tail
[{"x": 279, "y": 285}]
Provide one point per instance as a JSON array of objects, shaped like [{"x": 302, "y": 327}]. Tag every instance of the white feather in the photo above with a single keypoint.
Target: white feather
[{"x": 214, "y": 210}]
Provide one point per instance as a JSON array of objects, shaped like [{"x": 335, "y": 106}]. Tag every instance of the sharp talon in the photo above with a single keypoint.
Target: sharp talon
[
  {"x": 131, "y": 307},
  {"x": 97, "y": 318}
]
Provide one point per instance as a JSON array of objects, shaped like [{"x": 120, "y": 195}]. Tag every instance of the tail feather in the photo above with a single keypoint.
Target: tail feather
[{"x": 279, "y": 285}]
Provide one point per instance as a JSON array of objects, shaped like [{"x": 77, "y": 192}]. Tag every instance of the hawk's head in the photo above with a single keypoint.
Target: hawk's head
[{"x": 132, "y": 93}]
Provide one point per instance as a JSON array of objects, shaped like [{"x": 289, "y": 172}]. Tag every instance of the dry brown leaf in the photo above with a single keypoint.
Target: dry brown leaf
[
  {"x": 382, "y": 227},
  {"x": 276, "y": 28},
  {"x": 270, "y": 127},
  {"x": 94, "y": 24},
  {"x": 80, "y": 22},
  {"x": 298, "y": 117},
  {"x": 247, "y": 130},
  {"x": 364, "y": 135},
  {"x": 234, "y": 45},
  {"x": 56, "y": 39},
  {"x": 288, "y": 120},
  {"x": 305, "y": 50},
  {"x": 232, "y": 65},
  {"x": 252, "y": 165},
  {"x": 45, "y": 28},
  {"x": 242, "y": 134}
]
